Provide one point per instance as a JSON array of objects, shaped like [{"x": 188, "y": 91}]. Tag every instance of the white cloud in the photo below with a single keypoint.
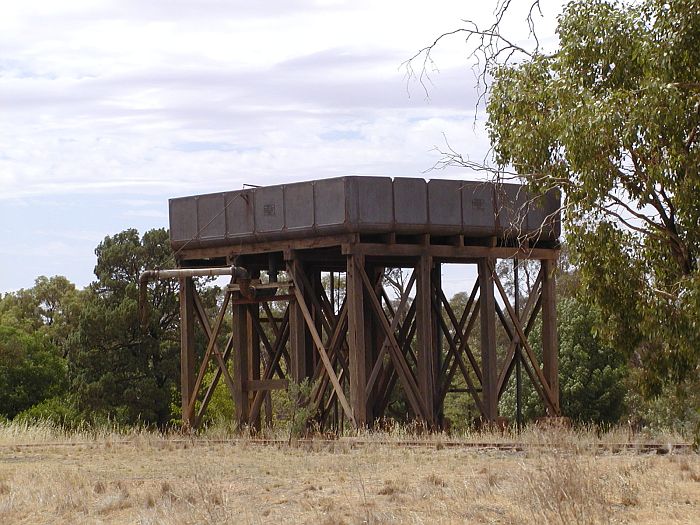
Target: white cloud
[{"x": 155, "y": 99}]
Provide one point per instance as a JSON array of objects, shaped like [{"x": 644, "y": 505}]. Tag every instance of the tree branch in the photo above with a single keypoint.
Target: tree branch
[{"x": 490, "y": 49}]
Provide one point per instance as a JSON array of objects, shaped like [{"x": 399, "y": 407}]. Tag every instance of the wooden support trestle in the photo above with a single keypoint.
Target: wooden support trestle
[{"x": 367, "y": 349}]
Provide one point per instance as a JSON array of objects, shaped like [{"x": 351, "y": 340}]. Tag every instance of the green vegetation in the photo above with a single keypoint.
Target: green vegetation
[
  {"x": 116, "y": 367},
  {"x": 30, "y": 371},
  {"x": 94, "y": 365},
  {"x": 612, "y": 118}
]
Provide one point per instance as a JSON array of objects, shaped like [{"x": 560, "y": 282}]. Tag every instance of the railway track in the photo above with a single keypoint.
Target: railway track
[{"x": 503, "y": 446}]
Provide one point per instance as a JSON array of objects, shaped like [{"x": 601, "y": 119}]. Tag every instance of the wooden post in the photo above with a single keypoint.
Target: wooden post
[
  {"x": 550, "y": 345},
  {"x": 427, "y": 365},
  {"x": 374, "y": 337},
  {"x": 316, "y": 282},
  {"x": 253, "y": 347},
  {"x": 187, "y": 354},
  {"x": 240, "y": 361},
  {"x": 297, "y": 329},
  {"x": 436, "y": 290},
  {"x": 357, "y": 340},
  {"x": 487, "y": 314}
]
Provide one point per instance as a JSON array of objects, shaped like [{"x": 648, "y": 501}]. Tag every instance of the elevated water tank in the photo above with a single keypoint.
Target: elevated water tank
[{"x": 365, "y": 205}]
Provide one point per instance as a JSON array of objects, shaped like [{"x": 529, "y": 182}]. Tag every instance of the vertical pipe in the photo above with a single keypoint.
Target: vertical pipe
[
  {"x": 374, "y": 337},
  {"x": 332, "y": 291},
  {"x": 253, "y": 344},
  {"x": 437, "y": 332},
  {"x": 314, "y": 277},
  {"x": 268, "y": 408}
]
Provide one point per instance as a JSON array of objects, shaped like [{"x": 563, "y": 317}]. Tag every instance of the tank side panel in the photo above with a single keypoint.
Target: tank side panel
[
  {"x": 211, "y": 219},
  {"x": 183, "y": 220},
  {"x": 331, "y": 205},
  {"x": 478, "y": 208},
  {"x": 410, "y": 205},
  {"x": 543, "y": 214},
  {"x": 269, "y": 210},
  {"x": 511, "y": 209},
  {"x": 240, "y": 222},
  {"x": 445, "y": 206},
  {"x": 299, "y": 208},
  {"x": 375, "y": 204},
  {"x": 554, "y": 210}
]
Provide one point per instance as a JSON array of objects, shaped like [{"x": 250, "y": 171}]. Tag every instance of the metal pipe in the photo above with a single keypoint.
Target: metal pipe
[
  {"x": 238, "y": 273},
  {"x": 158, "y": 275}
]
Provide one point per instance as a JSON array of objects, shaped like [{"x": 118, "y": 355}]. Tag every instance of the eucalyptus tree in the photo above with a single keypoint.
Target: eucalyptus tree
[
  {"x": 117, "y": 368},
  {"x": 613, "y": 119}
]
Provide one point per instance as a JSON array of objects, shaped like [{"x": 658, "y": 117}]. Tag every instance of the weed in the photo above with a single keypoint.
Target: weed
[{"x": 436, "y": 480}]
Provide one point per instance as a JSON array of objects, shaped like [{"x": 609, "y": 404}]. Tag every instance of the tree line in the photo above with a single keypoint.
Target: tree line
[
  {"x": 82, "y": 357},
  {"x": 611, "y": 117}
]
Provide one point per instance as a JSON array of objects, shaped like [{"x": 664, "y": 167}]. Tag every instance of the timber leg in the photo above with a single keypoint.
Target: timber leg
[
  {"x": 241, "y": 338},
  {"x": 253, "y": 348},
  {"x": 297, "y": 330},
  {"x": 187, "y": 354},
  {"x": 489, "y": 365},
  {"x": 357, "y": 341},
  {"x": 550, "y": 345},
  {"x": 427, "y": 364}
]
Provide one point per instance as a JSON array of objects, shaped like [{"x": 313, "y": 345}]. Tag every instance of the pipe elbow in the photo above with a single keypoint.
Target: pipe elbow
[
  {"x": 239, "y": 273},
  {"x": 146, "y": 276}
]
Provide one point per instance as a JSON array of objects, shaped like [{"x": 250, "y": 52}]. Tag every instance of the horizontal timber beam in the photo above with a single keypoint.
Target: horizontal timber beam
[
  {"x": 234, "y": 248},
  {"x": 450, "y": 252}
]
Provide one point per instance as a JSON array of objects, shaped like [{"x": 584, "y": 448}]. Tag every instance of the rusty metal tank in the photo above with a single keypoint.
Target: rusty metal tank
[{"x": 364, "y": 205}]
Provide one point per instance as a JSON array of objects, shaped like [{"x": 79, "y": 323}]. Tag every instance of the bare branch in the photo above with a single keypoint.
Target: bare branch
[{"x": 491, "y": 49}]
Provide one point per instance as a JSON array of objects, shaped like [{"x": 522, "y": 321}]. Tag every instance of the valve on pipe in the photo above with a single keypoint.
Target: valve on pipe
[{"x": 240, "y": 275}]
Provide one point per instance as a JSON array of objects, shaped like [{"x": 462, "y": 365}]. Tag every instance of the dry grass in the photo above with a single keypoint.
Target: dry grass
[{"x": 112, "y": 477}]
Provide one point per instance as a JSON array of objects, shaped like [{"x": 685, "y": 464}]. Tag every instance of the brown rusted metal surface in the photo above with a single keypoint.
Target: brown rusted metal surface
[{"x": 364, "y": 205}]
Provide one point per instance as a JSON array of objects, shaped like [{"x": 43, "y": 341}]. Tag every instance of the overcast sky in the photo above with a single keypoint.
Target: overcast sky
[{"x": 109, "y": 108}]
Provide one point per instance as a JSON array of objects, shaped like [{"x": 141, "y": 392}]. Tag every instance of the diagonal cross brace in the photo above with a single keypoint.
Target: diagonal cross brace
[
  {"x": 458, "y": 359},
  {"x": 385, "y": 344},
  {"x": 207, "y": 354},
  {"x": 459, "y": 327},
  {"x": 402, "y": 368},
  {"x": 322, "y": 352},
  {"x": 204, "y": 322},
  {"x": 268, "y": 373},
  {"x": 337, "y": 339},
  {"x": 529, "y": 313},
  {"x": 547, "y": 398}
]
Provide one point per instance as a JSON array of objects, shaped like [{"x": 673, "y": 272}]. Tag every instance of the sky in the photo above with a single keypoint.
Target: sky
[{"x": 108, "y": 108}]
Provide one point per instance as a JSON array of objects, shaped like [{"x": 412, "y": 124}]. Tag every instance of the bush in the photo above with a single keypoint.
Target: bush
[
  {"x": 296, "y": 409},
  {"x": 60, "y": 411},
  {"x": 30, "y": 371}
]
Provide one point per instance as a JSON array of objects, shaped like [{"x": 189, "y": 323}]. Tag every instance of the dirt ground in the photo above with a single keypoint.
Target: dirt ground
[{"x": 153, "y": 479}]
